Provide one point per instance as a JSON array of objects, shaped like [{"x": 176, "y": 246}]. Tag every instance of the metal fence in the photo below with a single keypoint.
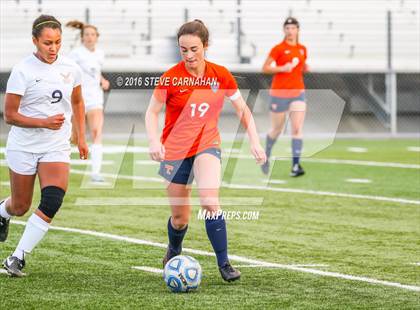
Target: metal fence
[{"x": 361, "y": 95}]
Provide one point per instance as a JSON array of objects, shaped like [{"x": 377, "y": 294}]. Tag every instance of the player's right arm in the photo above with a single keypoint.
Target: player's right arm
[
  {"x": 268, "y": 67},
  {"x": 156, "y": 149},
  {"x": 274, "y": 54},
  {"x": 13, "y": 117}
]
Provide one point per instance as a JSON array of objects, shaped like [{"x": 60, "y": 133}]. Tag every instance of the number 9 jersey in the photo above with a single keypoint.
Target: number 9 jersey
[
  {"x": 46, "y": 90},
  {"x": 193, "y": 106}
]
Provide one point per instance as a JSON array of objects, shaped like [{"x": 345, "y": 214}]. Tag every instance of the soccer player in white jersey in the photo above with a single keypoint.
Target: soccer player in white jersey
[
  {"x": 91, "y": 59},
  {"x": 42, "y": 92}
]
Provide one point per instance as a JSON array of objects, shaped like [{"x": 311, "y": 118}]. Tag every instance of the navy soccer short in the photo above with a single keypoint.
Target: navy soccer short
[
  {"x": 181, "y": 171},
  {"x": 279, "y": 104}
]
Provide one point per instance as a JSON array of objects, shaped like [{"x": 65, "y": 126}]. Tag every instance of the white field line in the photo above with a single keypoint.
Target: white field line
[
  {"x": 147, "y": 162},
  {"x": 356, "y": 149},
  {"x": 3, "y": 271},
  {"x": 322, "y": 193},
  {"x": 337, "y": 161},
  {"x": 415, "y": 264},
  {"x": 413, "y": 149},
  {"x": 121, "y": 176},
  {"x": 148, "y": 269},
  {"x": 76, "y": 162},
  {"x": 156, "y": 201},
  {"x": 274, "y": 181},
  {"x": 80, "y": 162},
  {"x": 236, "y": 258},
  {"x": 99, "y": 184},
  {"x": 358, "y": 181},
  {"x": 243, "y": 156},
  {"x": 274, "y": 266},
  {"x": 267, "y": 188},
  {"x": 160, "y": 271},
  {"x": 362, "y": 163}
]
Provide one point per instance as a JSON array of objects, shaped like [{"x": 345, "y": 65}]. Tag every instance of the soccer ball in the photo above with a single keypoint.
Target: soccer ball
[{"x": 182, "y": 273}]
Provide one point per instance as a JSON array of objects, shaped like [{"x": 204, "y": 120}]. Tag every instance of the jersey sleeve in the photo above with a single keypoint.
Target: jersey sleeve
[
  {"x": 231, "y": 87},
  {"x": 161, "y": 91},
  {"x": 275, "y": 52},
  {"x": 77, "y": 76},
  {"x": 17, "y": 83}
]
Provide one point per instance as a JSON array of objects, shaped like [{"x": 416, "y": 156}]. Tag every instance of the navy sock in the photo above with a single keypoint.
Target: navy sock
[
  {"x": 296, "y": 150},
  {"x": 175, "y": 237},
  {"x": 216, "y": 231},
  {"x": 269, "y": 145}
]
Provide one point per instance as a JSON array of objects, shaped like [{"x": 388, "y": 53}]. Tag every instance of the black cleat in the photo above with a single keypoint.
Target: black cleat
[
  {"x": 265, "y": 167},
  {"x": 297, "y": 171},
  {"x": 4, "y": 228},
  {"x": 229, "y": 273},
  {"x": 14, "y": 266},
  {"x": 169, "y": 254}
]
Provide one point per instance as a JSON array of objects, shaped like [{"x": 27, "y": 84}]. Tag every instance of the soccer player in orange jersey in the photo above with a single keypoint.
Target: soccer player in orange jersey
[
  {"x": 287, "y": 92},
  {"x": 193, "y": 92}
]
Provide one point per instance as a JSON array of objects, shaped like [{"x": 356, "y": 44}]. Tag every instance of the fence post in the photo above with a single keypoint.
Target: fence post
[
  {"x": 87, "y": 16},
  {"x": 391, "y": 81},
  {"x": 239, "y": 31}
]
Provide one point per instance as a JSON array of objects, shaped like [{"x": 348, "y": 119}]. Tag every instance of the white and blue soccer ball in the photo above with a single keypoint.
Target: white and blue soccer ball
[{"x": 182, "y": 273}]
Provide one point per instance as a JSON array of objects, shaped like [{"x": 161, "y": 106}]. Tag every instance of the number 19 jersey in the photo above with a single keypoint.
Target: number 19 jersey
[
  {"x": 46, "y": 90},
  {"x": 193, "y": 106}
]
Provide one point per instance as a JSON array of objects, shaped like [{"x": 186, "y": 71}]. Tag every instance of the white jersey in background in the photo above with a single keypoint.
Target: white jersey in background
[
  {"x": 46, "y": 91},
  {"x": 91, "y": 63}
]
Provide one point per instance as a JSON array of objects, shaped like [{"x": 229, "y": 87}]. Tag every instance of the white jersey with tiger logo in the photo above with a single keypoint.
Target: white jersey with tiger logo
[
  {"x": 46, "y": 90},
  {"x": 91, "y": 63}
]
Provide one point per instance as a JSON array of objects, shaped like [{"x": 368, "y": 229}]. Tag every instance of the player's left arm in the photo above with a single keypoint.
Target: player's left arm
[
  {"x": 247, "y": 120},
  {"x": 78, "y": 107},
  {"x": 306, "y": 68},
  {"x": 104, "y": 83}
]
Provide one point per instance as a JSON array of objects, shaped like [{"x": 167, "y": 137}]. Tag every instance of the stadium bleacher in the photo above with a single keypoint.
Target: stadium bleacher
[{"x": 135, "y": 34}]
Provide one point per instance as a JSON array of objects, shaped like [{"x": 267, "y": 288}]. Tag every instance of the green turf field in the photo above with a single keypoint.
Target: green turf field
[{"x": 368, "y": 230}]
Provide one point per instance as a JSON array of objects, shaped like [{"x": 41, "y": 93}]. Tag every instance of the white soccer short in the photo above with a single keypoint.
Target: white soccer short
[
  {"x": 27, "y": 163},
  {"x": 94, "y": 106}
]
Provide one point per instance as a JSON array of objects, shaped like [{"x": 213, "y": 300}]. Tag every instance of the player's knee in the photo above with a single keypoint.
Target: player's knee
[
  {"x": 211, "y": 208},
  {"x": 19, "y": 208},
  {"x": 210, "y": 203},
  {"x": 179, "y": 221},
  {"x": 296, "y": 133},
  {"x": 96, "y": 133},
  {"x": 51, "y": 200},
  {"x": 276, "y": 131}
]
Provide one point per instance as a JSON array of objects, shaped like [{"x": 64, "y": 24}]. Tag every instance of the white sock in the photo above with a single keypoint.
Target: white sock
[
  {"x": 35, "y": 230},
  {"x": 3, "y": 211},
  {"x": 96, "y": 156}
]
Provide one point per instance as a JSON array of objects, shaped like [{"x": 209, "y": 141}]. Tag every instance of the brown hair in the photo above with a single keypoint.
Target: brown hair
[
  {"x": 291, "y": 21},
  {"x": 197, "y": 28},
  {"x": 44, "y": 21},
  {"x": 81, "y": 26}
]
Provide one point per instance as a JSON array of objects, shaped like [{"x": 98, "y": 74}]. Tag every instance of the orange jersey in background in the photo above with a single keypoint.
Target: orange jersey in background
[
  {"x": 288, "y": 84},
  {"x": 193, "y": 106}
]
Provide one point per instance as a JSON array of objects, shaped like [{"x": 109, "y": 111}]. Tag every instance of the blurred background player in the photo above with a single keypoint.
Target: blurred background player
[
  {"x": 190, "y": 144},
  {"x": 287, "y": 93},
  {"x": 91, "y": 59},
  {"x": 42, "y": 91}
]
